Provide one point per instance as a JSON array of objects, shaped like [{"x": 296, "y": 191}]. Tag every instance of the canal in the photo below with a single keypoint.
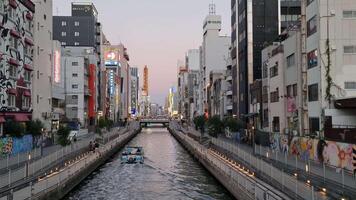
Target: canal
[{"x": 169, "y": 172}]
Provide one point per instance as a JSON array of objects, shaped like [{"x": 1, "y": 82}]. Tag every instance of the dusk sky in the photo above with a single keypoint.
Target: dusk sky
[{"x": 156, "y": 33}]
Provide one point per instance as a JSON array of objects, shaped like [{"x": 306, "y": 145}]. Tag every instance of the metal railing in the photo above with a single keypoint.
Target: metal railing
[{"x": 62, "y": 174}]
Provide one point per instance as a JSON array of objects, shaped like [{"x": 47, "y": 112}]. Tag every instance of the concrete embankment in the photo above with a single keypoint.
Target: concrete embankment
[
  {"x": 66, "y": 184},
  {"x": 240, "y": 183}
]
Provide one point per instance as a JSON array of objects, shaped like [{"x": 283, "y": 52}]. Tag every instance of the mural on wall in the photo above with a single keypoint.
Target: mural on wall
[
  {"x": 279, "y": 143},
  {"x": 13, "y": 146},
  {"x": 336, "y": 154}
]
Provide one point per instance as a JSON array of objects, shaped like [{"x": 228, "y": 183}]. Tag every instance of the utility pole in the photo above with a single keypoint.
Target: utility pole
[{"x": 303, "y": 115}]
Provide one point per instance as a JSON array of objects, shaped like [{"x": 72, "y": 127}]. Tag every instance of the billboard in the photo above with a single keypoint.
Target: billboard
[
  {"x": 111, "y": 56},
  {"x": 57, "y": 67}
]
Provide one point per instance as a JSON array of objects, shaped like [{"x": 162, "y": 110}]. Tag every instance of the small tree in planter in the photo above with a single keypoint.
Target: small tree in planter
[
  {"x": 199, "y": 123},
  {"x": 215, "y": 126},
  {"x": 63, "y": 133},
  {"x": 234, "y": 124},
  {"x": 14, "y": 129},
  {"x": 35, "y": 127}
]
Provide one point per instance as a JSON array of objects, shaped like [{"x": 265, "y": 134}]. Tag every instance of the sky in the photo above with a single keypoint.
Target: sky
[{"x": 157, "y": 33}]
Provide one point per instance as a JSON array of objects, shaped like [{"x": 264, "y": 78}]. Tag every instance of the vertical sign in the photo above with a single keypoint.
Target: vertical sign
[{"x": 57, "y": 67}]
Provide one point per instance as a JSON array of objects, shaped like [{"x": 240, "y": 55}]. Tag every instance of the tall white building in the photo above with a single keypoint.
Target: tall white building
[
  {"x": 43, "y": 57},
  {"x": 331, "y": 49},
  {"x": 215, "y": 52}
]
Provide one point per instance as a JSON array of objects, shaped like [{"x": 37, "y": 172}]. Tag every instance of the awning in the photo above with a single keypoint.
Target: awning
[
  {"x": 21, "y": 118},
  {"x": 15, "y": 33},
  {"x": 13, "y": 3},
  {"x": 27, "y": 93},
  {"x": 2, "y": 119},
  {"x": 28, "y": 41},
  {"x": 28, "y": 67},
  {"x": 342, "y": 103},
  {"x": 12, "y": 61},
  {"x": 29, "y": 16},
  {"x": 12, "y": 91}
]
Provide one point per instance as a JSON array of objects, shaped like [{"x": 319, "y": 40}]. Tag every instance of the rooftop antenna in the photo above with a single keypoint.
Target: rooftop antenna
[{"x": 212, "y": 8}]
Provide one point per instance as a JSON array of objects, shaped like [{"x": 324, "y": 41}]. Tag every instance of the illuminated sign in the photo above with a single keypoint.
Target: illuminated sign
[
  {"x": 57, "y": 67},
  {"x": 111, "y": 56},
  {"x": 111, "y": 82}
]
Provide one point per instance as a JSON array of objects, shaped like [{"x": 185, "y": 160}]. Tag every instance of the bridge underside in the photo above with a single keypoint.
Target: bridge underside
[{"x": 146, "y": 123}]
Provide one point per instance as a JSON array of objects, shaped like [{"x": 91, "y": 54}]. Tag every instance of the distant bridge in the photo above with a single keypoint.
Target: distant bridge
[{"x": 146, "y": 121}]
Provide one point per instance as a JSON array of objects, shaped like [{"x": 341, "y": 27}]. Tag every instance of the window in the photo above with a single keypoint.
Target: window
[
  {"x": 76, "y": 34},
  {"x": 289, "y": 90},
  {"x": 275, "y": 124},
  {"x": 38, "y": 99},
  {"x": 76, "y": 23},
  {"x": 75, "y": 63},
  {"x": 350, "y": 85},
  {"x": 313, "y": 93},
  {"x": 349, "y": 14},
  {"x": 11, "y": 100},
  {"x": 29, "y": 26},
  {"x": 74, "y": 96},
  {"x": 74, "y": 75},
  {"x": 13, "y": 71},
  {"x": 313, "y": 58},
  {"x": 13, "y": 42},
  {"x": 64, "y": 43},
  {"x": 11, "y": 12},
  {"x": 265, "y": 70},
  {"x": 64, "y": 34},
  {"x": 76, "y": 43},
  {"x": 312, "y": 26},
  {"x": 291, "y": 60},
  {"x": 275, "y": 96},
  {"x": 314, "y": 125},
  {"x": 273, "y": 71},
  {"x": 75, "y": 86},
  {"x": 64, "y": 23},
  {"x": 350, "y": 49},
  {"x": 74, "y": 108},
  {"x": 44, "y": 17},
  {"x": 265, "y": 118},
  {"x": 295, "y": 90},
  {"x": 25, "y": 102},
  {"x": 27, "y": 75}
]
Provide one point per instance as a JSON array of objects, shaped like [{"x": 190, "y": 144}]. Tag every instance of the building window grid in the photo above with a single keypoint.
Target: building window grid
[
  {"x": 11, "y": 100},
  {"x": 350, "y": 85},
  {"x": 291, "y": 60},
  {"x": 313, "y": 93}
]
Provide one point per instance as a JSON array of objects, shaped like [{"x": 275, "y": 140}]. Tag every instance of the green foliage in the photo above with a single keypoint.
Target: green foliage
[
  {"x": 199, "y": 123},
  {"x": 34, "y": 127},
  {"x": 215, "y": 126},
  {"x": 102, "y": 122},
  {"x": 14, "y": 129},
  {"x": 234, "y": 124},
  {"x": 328, "y": 78},
  {"x": 63, "y": 133}
]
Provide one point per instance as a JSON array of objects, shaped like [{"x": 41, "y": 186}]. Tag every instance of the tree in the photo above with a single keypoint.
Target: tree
[
  {"x": 215, "y": 126},
  {"x": 63, "y": 133},
  {"x": 199, "y": 123},
  {"x": 14, "y": 129},
  {"x": 102, "y": 122},
  {"x": 34, "y": 127},
  {"x": 234, "y": 124}
]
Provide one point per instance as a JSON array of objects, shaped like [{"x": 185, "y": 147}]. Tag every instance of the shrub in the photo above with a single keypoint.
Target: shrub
[
  {"x": 102, "y": 122},
  {"x": 199, "y": 123},
  {"x": 215, "y": 126},
  {"x": 63, "y": 133},
  {"x": 34, "y": 127},
  {"x": 234, "y": 124},
  {"x": 14, "y": 129}
]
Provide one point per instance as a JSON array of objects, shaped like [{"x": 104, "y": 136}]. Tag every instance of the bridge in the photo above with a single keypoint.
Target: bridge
[{"x": 146, "y": 121}]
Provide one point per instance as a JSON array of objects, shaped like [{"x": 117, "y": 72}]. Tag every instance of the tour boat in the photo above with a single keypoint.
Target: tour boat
[{"x": 132, "y": 155}]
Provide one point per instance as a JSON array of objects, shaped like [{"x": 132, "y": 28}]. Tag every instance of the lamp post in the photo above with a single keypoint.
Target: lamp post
[
  {"x": 253, "y": 139},
  {"x": 27, "y": 164}
]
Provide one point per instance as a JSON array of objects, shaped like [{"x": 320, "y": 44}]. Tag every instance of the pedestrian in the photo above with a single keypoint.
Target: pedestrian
[{"x": 90, "y": 146}]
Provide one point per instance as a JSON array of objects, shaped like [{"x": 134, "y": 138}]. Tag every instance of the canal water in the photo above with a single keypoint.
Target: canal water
[{"x": 169, "y": 172}]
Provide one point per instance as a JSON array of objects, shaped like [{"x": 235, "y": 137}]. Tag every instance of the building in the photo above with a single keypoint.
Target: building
[
  {"x": 80, "y": 81},
  {"x": 331, "y": 68},
  {"x": 58, "y": 87},
  {"x": 134, "y": 91},
  {"x": 17, "y": 54},
  {"x": 215, "y": 52},
  {"x": 216, "y": 93},
  {"x": 255, "y": 24},
  {"x": 43, "y": 57},
  {"x": 192, "y": 59},
  {"x": 183, "y": 103},
  {"x": 193, "y": 94},
  {"x": 82, "y": 29}
]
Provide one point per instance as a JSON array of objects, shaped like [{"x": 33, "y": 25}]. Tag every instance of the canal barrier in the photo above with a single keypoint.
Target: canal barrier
[
  {"x": 60, "y": 181},
  {"x": 241, "y": 181}
]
